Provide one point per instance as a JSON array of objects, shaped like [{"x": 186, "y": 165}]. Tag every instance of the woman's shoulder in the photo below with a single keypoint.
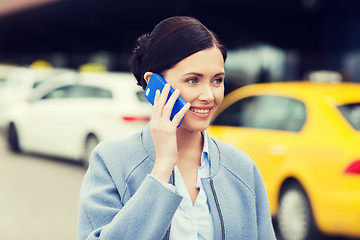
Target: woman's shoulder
[
  {"x": 112, "y": 148},
  {"x": 236, "y": 162},
  {"x": 120, "y": 154},
  {"x": 232, "y": 154}
]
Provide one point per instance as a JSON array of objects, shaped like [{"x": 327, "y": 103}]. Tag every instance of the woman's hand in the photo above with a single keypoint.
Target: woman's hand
[{"x": 163, "y": 132}]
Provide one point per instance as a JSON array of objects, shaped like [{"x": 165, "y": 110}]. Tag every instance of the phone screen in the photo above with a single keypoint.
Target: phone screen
[{"x": 157, "y": 82}]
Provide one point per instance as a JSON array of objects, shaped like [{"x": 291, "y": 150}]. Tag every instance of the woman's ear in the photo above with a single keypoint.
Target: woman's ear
[{"x": 147, "y": 76}]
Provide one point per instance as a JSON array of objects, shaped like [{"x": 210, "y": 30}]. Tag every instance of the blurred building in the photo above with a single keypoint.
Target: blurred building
[{"x": 302, "y": 35}]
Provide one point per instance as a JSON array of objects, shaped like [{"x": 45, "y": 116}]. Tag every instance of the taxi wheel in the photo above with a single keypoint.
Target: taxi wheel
[
  {"x": 295, "y": 218},
  {"x": 90, "y": 143},
  {"x": 13, "y": 139}
]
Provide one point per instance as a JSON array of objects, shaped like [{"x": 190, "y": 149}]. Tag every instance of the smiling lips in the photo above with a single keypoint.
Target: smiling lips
[{"x": 201, "y": 112}]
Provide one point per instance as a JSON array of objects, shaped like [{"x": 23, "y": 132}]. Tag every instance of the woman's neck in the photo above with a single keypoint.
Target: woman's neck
[{"x": 190, "y": 144}]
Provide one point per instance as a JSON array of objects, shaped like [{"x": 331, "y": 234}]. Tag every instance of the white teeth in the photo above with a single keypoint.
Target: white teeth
[{"x": 200, "y": 110}]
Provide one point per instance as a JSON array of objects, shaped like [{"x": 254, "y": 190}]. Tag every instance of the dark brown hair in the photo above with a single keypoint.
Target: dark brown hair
[{"x": 171, "y": 41}]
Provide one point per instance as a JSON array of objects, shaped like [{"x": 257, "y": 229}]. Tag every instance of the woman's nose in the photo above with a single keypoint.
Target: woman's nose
[{"x": 206, "y": 94}]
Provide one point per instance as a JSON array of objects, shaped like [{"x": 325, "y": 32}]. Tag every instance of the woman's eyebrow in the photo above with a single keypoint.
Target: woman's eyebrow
[
  {"x": 219, "y": 74},
  {"x": 201, "y": 75},
  {"x": 194, "y": 73}
]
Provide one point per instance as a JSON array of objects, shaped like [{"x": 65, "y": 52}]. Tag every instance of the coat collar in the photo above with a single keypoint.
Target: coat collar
[
  {"x": 147, "y": 143},
  {"x": 214, "y": 152}
]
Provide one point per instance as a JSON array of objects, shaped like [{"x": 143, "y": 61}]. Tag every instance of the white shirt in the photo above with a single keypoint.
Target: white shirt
[{"x": 193, "y": 222}]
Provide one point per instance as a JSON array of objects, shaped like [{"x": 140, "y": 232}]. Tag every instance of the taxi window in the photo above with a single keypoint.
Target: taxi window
[
  {"x": 80, "y": 91},
  {"x": 352, "y": 114},
  {"x": 102, "y": 93},
  {"x": 265, "y": 112},
  {"x": 238, "y": 114},
  {"x": 61, "y": 92},
  {"x": 279, "y": 113},
  {"x": 140, "y": 96}
]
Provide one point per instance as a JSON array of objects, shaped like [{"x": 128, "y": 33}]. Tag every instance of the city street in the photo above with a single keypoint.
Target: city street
[{"x": 38, "y": 197}]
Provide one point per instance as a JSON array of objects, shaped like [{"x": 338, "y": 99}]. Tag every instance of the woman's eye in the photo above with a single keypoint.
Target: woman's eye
[
  {"x": 192, "y": 80},
  {"x": 218, "y": 80}
]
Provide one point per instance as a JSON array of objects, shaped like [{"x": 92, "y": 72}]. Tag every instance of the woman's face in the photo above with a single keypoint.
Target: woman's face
[{"x": 200, "y": 79}]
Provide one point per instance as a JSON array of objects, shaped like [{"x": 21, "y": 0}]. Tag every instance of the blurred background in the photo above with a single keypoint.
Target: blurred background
[
  {"x": 65, "y": 49},
  {"x": 267, "y": 40}
]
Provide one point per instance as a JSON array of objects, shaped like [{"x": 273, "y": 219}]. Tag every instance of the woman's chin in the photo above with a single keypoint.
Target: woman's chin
[{"x": 195, "y": 125}]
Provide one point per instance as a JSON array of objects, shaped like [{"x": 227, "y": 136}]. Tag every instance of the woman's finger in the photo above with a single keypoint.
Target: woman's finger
[
  {"x": 170, "y": 104},
  {"x": 163, "y": 96},
  {"x": 160, "y": 101},
  {"x": 177, "y": 118},
  {"x": 155, "y": 111}
]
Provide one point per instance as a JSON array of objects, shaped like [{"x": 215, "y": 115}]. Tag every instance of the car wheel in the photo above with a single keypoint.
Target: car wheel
[
  {"x": 295, "y": 218},
  {"x": 13, "y": 139},
  {"x": 90, "y": 144}
]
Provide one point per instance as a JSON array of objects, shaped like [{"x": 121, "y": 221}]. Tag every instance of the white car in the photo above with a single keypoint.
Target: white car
[
  {"x": 68, "y": 115},
  {"x": 19, "y": 82},
  {"x": 4, "y": 72}
]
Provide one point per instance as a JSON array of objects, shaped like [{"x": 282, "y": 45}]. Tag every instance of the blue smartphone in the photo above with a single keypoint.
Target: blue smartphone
[{"x": 157, "y": 82}]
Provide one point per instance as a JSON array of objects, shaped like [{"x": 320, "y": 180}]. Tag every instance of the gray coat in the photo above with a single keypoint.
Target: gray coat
[{"x": 120, "y": 200}]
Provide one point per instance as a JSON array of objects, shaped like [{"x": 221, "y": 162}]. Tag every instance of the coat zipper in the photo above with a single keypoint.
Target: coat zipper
[
  {"x": 173, "y": 183},
  {"x": 218, "y": 208}
]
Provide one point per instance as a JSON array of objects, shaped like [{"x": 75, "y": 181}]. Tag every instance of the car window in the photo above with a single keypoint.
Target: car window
[
  {"x": 238, "y": 114},
  {"x": 101, "y": 93},
  {"x": 61, "y": 92},
  {"x": 279, "y": 113},
  {"x": 81, "y": 91},
  {"x": 266, "y": 112},
  {"x": 78, "y": 91},
  {"x": 297, "y": 116},
  {"x": 141, "y": 97},
  {"x": 36, "y": 84},
  {"x": 352, "y": 114}
]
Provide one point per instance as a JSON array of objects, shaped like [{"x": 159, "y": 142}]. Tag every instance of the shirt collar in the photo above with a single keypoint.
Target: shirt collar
[
  {"x": 205, "y": 152},
  {"x": 206, "y": 142},
  {"x": 212, "y": 149}
]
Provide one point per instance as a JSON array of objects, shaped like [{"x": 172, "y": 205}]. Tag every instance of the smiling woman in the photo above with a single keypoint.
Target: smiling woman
[
  {"x": 200, "y": 80},
  {"x": 171, "y": 181}
]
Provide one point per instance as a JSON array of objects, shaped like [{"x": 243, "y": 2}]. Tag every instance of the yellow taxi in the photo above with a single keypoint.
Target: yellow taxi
[{"x": 305, "y": 139}]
